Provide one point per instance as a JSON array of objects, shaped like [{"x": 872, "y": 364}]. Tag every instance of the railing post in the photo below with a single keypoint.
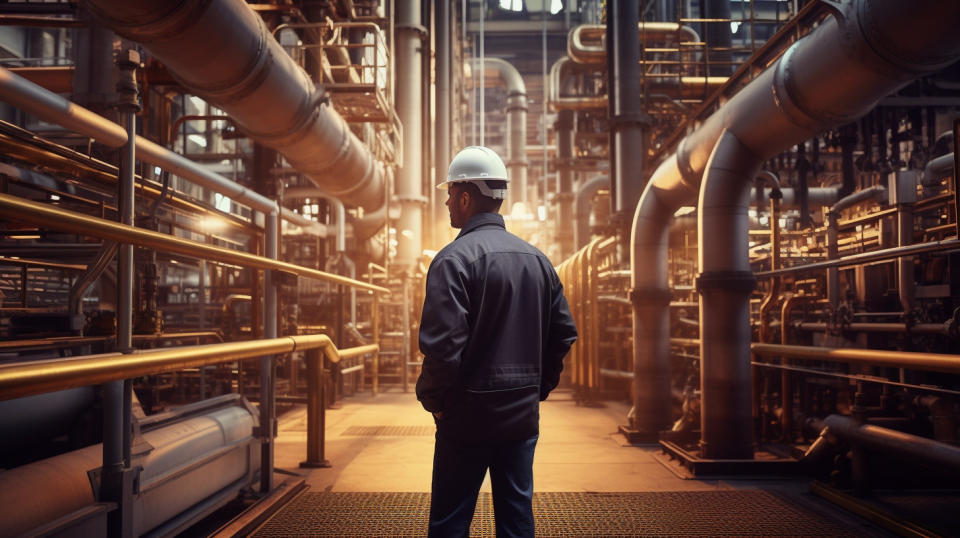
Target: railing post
[
  {"x": 316, "y": 411},
  {"x": 268, "y": 415},
  {"x": 117, "y": 475},
  {"x": 375, "y": 323}
]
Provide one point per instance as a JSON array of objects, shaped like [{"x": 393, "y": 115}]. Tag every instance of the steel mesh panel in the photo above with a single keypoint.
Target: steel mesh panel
[
  {"x": 388, "y": 431},
  {"x": 701, "y": 513}
]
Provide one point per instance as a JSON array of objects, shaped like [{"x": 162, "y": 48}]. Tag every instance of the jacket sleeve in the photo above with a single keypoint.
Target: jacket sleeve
[
  {"x": 562, "y": 334},
  {"x": 443, "y": 331}
]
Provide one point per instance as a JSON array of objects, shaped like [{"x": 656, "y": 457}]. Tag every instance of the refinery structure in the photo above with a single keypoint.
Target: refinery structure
[{"x": 216, "y": 219}]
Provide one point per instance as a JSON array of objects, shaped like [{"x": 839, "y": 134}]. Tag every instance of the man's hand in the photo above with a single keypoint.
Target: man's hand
[{"x": 438, "y": 415}]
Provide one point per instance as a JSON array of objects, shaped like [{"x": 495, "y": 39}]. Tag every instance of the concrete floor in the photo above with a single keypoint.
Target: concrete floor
[{"x": 579, "y": 449}]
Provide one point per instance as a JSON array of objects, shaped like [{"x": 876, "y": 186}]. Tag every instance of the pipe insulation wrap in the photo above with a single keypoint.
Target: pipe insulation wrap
[
  {"x": 244, "y": 70},
  {"x": 204, "y": 454}
]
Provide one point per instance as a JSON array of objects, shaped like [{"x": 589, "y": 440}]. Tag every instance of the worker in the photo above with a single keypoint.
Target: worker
[{"x": 494, "y": 331}]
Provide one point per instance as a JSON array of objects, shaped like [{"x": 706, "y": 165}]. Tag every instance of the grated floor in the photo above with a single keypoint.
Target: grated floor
[
  {"x": 388, "y": 431},
  {"x": 686, "y": 513}
]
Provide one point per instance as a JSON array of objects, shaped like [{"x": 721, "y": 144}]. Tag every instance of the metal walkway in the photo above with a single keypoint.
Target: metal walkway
[{"x": 672, "y": 513}]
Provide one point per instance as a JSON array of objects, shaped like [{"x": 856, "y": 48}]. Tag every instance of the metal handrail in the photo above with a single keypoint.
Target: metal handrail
[
  {"x": 61, "y": 219},
  {"x": 933, "y": 362},
  {"x": 38, "y": 377}
]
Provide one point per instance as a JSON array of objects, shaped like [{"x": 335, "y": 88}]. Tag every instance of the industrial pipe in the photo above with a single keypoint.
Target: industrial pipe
[
  {"x": 444, "y": 108},
  {"x": 876, "y": 192},
  {"x": 648, "y": 32},
  {"x": 409, "y": 99},
  {"x": 904, "y": 445},
  {"x": 627, "y": 116},
  {"x": 581, "y": 212},
  {"x": 339, "y": 212},
  {"x": 244, "y": 71},
  {"x": 516, "y": 126},
  {"x": 565, "y": 219},
  {"x": 791, "y": 101},
  {"x": 56, "y": 218}
]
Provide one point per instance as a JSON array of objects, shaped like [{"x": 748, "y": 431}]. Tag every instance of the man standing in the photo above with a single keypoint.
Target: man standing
[{"x": 493, "y": 334}]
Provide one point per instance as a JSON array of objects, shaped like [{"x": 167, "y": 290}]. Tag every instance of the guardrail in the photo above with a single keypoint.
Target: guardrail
[{"x": 38, "y": 377}]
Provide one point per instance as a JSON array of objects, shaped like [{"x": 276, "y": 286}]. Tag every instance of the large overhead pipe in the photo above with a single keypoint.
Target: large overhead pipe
[
  {"x": 409, "y": 92},
  {"x": 832, "y": 76},
  {"x": 517, "y": 125},
  {"x": 222, "y": 51},
  {"x": 581, "y": 211},
  {"x": 648, "y": 32}
]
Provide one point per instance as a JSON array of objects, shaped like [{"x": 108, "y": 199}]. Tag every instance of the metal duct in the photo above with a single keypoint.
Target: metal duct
[
  {"x": 830, "y": 77},
  {"x": 937, "y": 169},
  {"x": 582, "y": 53},
  {"x": 409, "y": 99},
  {"x": 817, "y": 197},
  {"x": 581, "y": 211},
  {"x": 222, "y": 51},
  {"x": 516, "y": 126}
]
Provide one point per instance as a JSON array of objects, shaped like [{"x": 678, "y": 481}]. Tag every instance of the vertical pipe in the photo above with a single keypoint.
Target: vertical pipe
[
  {"x": 316, "y": 411},
  {"x": 267, "y": 364},
  {"x": 409, "y": 187},
  {"x": 535, "y": 196},
  {"x": 718, "y": 36},
  {"x": 375, "y": 328},
  {"x": 444, "y": 107},
  {"x": 203, "y": 294},
  {"x": 405, "y": 354},
  {"x": 565, "y": 174},
  {"x": 627, "y": 117},
  {"x": 483, "y": 56}
]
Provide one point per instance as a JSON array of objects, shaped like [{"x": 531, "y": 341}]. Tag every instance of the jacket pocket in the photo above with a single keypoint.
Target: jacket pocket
[{"x": 492, "y": 416}]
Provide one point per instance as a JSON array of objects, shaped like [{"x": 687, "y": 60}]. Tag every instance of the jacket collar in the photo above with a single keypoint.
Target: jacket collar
[{"x": 481, "y": 219}]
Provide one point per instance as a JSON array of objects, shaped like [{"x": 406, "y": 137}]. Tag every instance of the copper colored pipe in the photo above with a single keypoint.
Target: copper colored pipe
[{"x": 933, "y": 362}]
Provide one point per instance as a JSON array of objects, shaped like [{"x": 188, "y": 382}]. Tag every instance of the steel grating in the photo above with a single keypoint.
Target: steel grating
[
  {"x": 388, "y": 431},
  {"x": 700, "y": 513}
]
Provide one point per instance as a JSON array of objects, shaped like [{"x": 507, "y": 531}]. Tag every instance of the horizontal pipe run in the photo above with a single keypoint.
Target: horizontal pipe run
[
  {"x": 933, "y": 362},
  {"x": 855, "y": 259},
  {"x": 918, "y": 328},
  {"x": 14, "y": 208},
  {"x": 910, "y": 447},
  {"x": 38, "y": 377}
]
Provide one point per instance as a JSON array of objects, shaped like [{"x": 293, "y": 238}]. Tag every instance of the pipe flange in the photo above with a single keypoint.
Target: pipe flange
[
  {"x": 784, "y": 92},
  {"x": 650, "y": 296},
  {"x": 734, "y": 281},
  {"x": 419, "y": 29}
]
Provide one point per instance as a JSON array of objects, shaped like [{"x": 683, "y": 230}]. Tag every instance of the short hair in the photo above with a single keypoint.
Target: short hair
[{"x": 486, "y": 203}]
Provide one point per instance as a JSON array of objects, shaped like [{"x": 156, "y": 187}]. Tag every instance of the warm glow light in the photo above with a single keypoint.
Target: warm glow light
[
  {"x": 212, "y": 223},
  {"x": 25, "y": 236},
  {"x": 542, "y": 212},
  {"x": 407, "y": 233},
  {"x": 685, "y": 210},
  {"x": 519, "y": 210}
]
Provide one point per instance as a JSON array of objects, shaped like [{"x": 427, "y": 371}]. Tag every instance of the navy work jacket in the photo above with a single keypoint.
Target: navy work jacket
[{"x": 494, "y": 331}]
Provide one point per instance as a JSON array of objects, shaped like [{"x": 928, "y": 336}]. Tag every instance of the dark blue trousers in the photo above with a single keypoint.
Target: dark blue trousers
[{"x": 458, "y": 471}]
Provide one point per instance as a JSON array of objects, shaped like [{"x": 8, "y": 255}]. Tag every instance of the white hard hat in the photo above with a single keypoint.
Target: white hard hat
[{"x": 478, "y": 164}]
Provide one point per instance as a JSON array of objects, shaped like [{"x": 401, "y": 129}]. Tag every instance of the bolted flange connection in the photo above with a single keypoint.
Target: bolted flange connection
[{"x": 128, "y": 91}]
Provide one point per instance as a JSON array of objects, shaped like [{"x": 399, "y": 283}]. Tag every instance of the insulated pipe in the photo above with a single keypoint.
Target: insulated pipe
[
  {"x": 817, "y": 197},
  {"x": 409, "y": 99},
  {"x": 517, "y": 125},
  {"x": 789, "y": 102},
  {"x": 647, "y": 32},
  {"x": 222, "y": 51},
  {"x": 581, "y": 212}
]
